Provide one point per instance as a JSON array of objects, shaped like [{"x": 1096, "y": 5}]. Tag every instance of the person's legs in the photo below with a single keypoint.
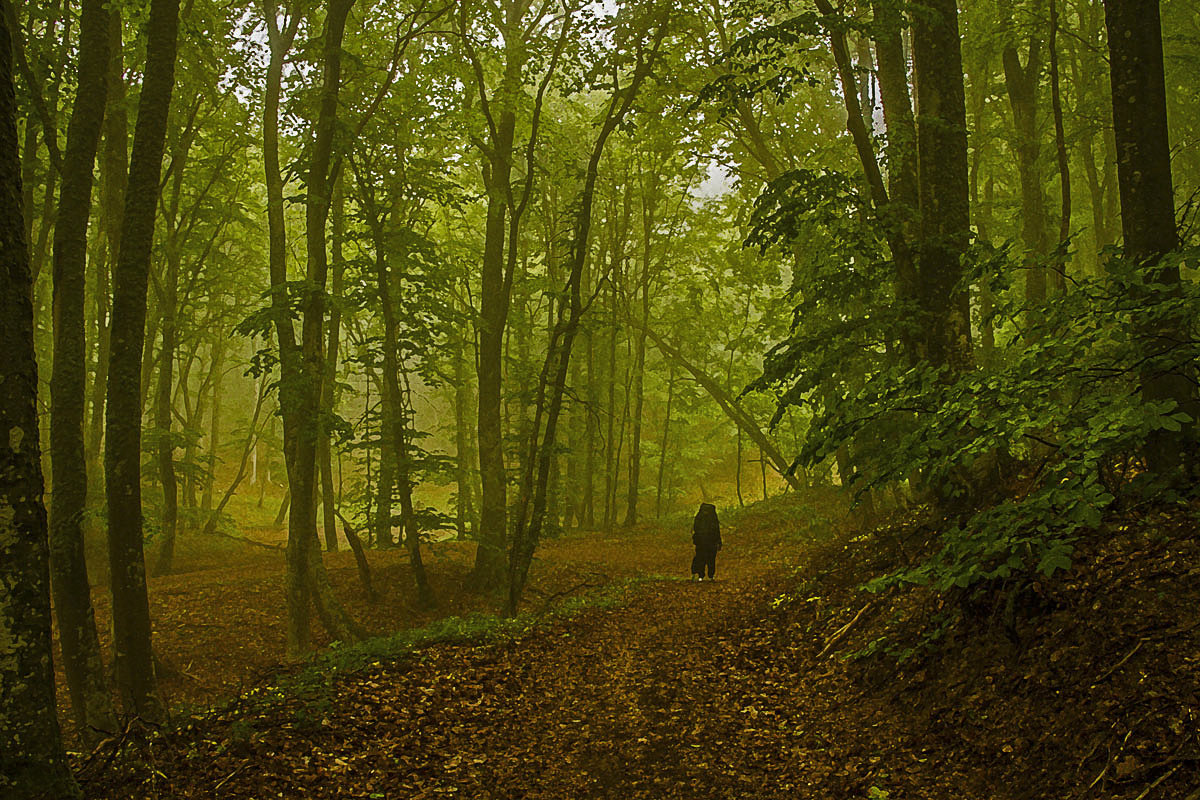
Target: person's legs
[
  {"x": 697, "y": 566},
  {"x": 710, "y": 563}
]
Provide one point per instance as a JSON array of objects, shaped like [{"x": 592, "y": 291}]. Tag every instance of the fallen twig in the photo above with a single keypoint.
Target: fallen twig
[
  {"x": 247, "y": 540},
  {"x": 1161, "y": 778},
  {"x": 227, "y": 777},
  {"x": 546, "y": 603},
  {"x": 1119, "y": 664},
  {"x": 832, "y": 641}
]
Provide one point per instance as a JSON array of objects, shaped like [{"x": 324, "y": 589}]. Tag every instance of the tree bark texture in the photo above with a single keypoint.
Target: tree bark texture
[
  {"x": 1147, "y": 196},
  {"x": 943, "y": 190},
  {"x": 32, "y": 762},
  {"x": 168, "y": 298},
  {"x": 123, "y": 414},
  {"x": 91, "y": 701}
]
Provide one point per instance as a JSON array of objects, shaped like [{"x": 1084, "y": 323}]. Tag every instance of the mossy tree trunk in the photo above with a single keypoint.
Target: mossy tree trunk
[{"x": 32, "y": 762}]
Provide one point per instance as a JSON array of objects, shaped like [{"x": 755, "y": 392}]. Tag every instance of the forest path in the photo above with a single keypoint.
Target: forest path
[
  {"x": 219, "y": 620},
  {"x": 663, "y": 695}
]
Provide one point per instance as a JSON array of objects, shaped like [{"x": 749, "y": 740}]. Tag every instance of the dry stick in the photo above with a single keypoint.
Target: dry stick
[
  {"x": 1119, "y": 664},
  {"x": 1161, "y": 778},
  {"x": 230, "y": 775},
  {"x": 546, "y": 603},
  {"x": 842, "y": 631},
  {"x": 247, "y": 540}
]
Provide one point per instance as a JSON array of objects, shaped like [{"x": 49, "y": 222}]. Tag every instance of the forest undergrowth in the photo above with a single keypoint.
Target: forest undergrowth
[{"x": 782, "y": 679}]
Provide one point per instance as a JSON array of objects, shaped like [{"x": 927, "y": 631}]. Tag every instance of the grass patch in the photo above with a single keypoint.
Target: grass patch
[{"x": 312, "y": 684}]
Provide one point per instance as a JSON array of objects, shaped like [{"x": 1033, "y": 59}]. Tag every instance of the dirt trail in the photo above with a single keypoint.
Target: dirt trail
[
  {"x": 652, "y": 698},
  {"x": 219, "y": 620},
  {"x": 715, "y": 690}
]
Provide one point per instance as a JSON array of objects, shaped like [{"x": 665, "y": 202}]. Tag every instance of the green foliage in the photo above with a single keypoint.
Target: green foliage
[
  {"x": 933, "y": 633},
  {"x": 1030, "y": 449}
]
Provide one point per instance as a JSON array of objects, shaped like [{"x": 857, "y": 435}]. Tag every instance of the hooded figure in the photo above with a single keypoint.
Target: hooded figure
[{"x": 706, "y": 535}]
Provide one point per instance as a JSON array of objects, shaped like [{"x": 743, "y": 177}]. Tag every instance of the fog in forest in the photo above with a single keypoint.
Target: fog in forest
[{"x": 624, "y": 399}]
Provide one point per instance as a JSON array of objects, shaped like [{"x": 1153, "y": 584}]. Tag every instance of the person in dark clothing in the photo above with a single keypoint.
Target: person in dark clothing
[{"x": 706, "y": 535}]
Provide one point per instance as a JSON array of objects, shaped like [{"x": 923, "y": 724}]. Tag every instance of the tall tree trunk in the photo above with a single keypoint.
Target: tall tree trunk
[
  {"x": 306, "y": 578},
  {"x": 214, "y": 427},
  {"x": 113, "y": 163},
  {"x": 896, "y": 100},
  {"x": 587, "y": 500},
  {"x": 329, "y": 396},
  {"x": 464, "y": 507},
  {"x": 1060, "y": 144},
  {"x": 662, "y": 453},
  {"x": 91, "y": 700},
  {"x": 32, "y": 762},
  {"x": 1147, "y": 197},
  {"x": 982, "y": 211},
  {"x": 385, "y": 486},
  {"x": 531, "y": 514},
  {"x": 1096, "y": 196},
  {"x": 301, "y": 365},
  {"x": 41, "y": 245},
  {"x": 943, "y": 189},
  {"x": 1022, "y": 83},
  {"x": 639, "y": 383},
  {"x": 898, "y": 117},
  {"x": 635, "y": 436},
  {"x": 493, "y": 317},
  {"x": 280, "y": 42},
  {"x": 394, "y": 438},
  {"x": 123, "y": 416},
  {"x": 500, "y": 253},
  {"x": 615, "y": 435},
  {"x": 610, "y": 474},
  {"x": 168, "y": 300}
]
